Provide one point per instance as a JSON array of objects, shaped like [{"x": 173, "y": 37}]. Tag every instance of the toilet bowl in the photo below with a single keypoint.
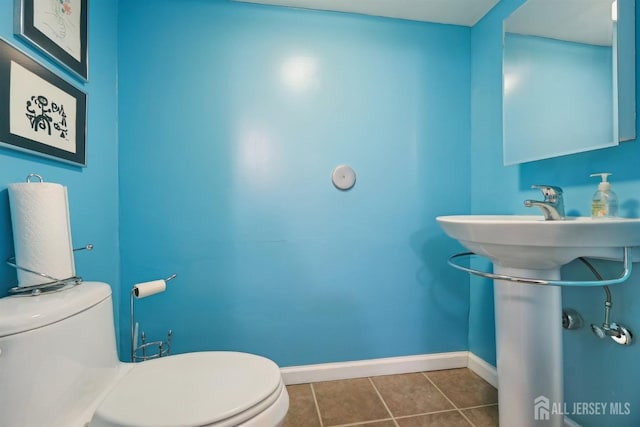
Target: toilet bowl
[
  {"x": 196, "y": 389},
  {"x": 59, "y": 367}
]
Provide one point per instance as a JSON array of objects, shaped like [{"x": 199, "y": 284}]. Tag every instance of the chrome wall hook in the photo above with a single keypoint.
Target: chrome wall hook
[{"x": 36, "y": 176}]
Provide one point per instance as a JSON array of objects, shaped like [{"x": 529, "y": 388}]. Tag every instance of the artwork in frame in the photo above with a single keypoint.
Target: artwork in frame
[
  {"x": 57, "y": 27},
  {"x": 42, "y": 113}
]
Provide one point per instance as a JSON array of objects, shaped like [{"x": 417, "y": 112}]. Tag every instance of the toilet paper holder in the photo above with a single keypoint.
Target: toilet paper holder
[
  {"x": 53, "y": 285},
  {"x": 142, "y": 349}
]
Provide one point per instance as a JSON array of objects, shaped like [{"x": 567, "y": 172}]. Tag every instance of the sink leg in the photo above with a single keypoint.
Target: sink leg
[{"x": 529, "y": 350}]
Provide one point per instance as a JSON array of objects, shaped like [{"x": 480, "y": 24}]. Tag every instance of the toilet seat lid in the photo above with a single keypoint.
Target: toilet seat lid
[{"x": 189, "y": 390}]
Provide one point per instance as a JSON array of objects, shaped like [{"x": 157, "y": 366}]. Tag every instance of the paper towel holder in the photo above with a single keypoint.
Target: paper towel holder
[
  {"x": 147, "y": 350},
  {"x": 54, "y": 285}
]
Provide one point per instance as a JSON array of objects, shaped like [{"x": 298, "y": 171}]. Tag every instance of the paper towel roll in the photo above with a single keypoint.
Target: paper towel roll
[
  {"x": 146, "y": 289},
  {"x": 41, "y": 231}
]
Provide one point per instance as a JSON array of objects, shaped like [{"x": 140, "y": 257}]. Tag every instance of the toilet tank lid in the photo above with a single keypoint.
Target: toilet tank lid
[{"x": 21, "y": 313}]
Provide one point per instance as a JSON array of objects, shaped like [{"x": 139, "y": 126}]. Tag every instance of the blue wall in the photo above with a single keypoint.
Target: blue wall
[
  {"x": 93, "y": 191},
  {"x": 232, "y": 117},
  {"x": 595, "y": 371}
]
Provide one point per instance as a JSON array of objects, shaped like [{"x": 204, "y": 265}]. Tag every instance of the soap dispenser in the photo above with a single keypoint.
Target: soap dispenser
[{"x": 605, "y": 202}]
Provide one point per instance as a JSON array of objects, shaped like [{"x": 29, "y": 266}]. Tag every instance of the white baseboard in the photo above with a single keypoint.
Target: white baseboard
[
  {"x": 374, "y": 367},
  {"x": 484, "y": 369}
]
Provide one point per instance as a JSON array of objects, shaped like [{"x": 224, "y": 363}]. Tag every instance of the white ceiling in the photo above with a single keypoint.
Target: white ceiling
[
  {"x": 583, "y": 21},
  {"x": 458, "y": 12}
]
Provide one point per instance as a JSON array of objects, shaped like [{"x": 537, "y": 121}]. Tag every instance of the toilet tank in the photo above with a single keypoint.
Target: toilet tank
[{"x": 57, "y": 355}]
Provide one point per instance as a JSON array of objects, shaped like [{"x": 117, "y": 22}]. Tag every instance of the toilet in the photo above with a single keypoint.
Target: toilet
[{"x": 59, "y": 368}]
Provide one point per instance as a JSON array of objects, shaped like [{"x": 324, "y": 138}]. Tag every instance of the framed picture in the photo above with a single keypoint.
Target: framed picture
[
  {"x": 45, "y": 115},
  {"x": 57, "y": 27}
]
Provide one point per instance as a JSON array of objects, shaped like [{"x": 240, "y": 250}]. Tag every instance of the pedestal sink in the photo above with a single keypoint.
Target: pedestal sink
[{"x": 527, "y": 253}]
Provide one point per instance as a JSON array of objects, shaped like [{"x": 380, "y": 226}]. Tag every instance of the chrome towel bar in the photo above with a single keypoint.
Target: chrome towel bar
[{"x": 627, "y": 263}]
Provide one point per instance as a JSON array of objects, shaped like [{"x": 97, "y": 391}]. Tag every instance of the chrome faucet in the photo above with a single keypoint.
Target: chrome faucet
[{"x": 553, "y": 205}]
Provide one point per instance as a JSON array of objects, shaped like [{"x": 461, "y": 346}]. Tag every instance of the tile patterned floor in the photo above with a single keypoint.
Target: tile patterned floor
[{"x": 449, "y": 398}]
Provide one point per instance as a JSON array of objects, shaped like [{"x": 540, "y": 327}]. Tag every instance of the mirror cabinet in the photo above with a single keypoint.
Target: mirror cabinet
[{"x": 568, "y": 77}]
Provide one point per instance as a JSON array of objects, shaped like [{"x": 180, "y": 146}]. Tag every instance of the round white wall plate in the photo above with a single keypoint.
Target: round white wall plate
[{"x": 343, "y": 177}]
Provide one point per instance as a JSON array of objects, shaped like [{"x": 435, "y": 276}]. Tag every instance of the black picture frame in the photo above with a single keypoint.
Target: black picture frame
[
  {"x": 45, "y": 115},
  {"x": 58, "y": 29}
]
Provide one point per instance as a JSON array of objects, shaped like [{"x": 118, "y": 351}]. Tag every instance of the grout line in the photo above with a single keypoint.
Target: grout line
[
  {"x": 428, "y": 413},
  {"x": 450, "y": 401},
  {"x": 466, "y": 418},
  {"x": 315, "y": 401},
  {"x": 473, "y": 407},
  {"x": 439, "y": 412},
  {"x": 383, "y": 402},
  {"x": 479, "y": 406},
  {"x": 361, "y": 423},
  {"x": 438, "y": 388}
]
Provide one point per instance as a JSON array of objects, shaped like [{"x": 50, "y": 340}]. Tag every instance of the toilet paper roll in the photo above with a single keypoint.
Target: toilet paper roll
[
  {"x": 146, "y": 289},
  {"x": 41, "y": 231}
]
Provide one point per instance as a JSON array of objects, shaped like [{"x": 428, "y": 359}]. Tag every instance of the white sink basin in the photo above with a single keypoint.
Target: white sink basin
[{"x": 530, "y": 242}]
